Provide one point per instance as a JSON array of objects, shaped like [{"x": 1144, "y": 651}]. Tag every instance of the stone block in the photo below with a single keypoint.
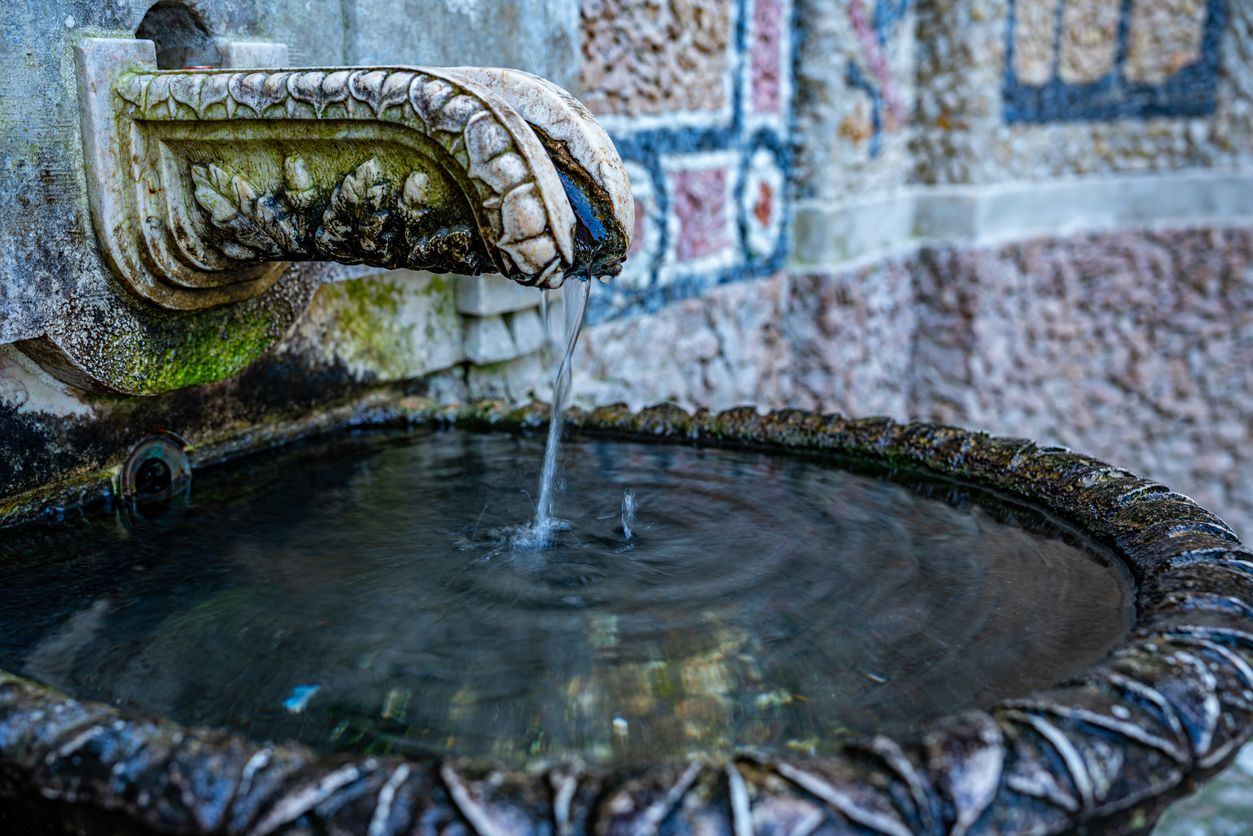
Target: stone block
[
  {"x": 1089, "y": 40},
  {"x": 527, "y": 330},
  {"x": 491, "y": 295},
  {"x": 252, "y": 53},
  {"x": 1035, "y": 34},
  {"x": 1163, "y": 37},
  {"x": 767, "y": 57},
  {"x": 703, "y": 208},
  {"x": 517, "y": 381},
  {"x": 382, "y": 327},
  {"x": 487, "y": 340}
]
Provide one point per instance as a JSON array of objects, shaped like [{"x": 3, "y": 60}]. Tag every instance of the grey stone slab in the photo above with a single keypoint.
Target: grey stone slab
[
  {"x": 487, "y": 340},
  {"x": 527, "y": 330},
  {"x": 491, "y": 295}
]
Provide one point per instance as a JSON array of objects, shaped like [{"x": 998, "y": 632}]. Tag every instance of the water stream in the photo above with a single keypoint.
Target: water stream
[{"x": 574, "y": 308}]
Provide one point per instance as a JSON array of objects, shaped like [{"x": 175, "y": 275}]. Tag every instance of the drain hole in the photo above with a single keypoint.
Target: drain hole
[
  {"x": 156, "y": 470},
  {"x": 152, "y": 477},
  {"x": 181, "y": 36}
]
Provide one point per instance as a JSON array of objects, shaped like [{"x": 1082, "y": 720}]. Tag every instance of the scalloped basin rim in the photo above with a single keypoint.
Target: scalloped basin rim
[{"x": 1168, "y": 707}]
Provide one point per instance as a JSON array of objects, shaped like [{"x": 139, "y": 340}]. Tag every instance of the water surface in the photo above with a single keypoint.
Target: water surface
[{"x": 364, "y": 596}]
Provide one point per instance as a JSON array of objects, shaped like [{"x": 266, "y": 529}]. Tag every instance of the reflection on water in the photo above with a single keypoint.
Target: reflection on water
[{"x": 365, "y": 596}]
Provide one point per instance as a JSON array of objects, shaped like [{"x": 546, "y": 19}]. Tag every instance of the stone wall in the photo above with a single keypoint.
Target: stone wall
[
  {"x": 1026, "y": 215},
  {"x": 899, "y": 92},
  {"x": 1135, "y": 347}
]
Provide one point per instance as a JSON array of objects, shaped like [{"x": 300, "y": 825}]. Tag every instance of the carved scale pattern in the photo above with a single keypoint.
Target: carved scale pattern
[
  {"x": 519, "y": 196},
  {"x": 1104, "y": 750}
]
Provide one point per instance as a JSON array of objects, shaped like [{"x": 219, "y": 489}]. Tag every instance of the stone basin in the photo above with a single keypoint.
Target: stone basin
[{"x": 1106, "y": 748}]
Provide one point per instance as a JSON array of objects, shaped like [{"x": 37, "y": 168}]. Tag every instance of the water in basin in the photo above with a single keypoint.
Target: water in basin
[{"x": 363, "y": 595}]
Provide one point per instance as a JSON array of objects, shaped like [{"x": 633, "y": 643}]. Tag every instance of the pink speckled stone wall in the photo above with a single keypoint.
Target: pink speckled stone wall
[{"x": 1135, "y": 347}]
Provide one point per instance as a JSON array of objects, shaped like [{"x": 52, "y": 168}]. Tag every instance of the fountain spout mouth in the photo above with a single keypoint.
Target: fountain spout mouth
[{"x": 205, "y": 183}]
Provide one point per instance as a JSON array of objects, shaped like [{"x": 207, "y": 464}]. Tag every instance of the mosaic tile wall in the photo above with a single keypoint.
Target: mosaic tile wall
[
  {"x": 697, "y": 95},
  {"x": 1099, "y": 87},
  {"x": 854, "y": 97},
  {"x": 965, "y": 151},
  {"x": 898, "y": 92},
  {"x": 728, "y": 112}
]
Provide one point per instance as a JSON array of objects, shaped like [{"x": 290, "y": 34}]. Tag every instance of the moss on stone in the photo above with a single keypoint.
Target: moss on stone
[
  {"x": 207, "y": 349},
  {"x": 372, "y": 329}
]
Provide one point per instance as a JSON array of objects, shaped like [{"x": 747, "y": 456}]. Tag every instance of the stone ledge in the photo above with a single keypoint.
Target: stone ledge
[{"x": 826, "y": 235}]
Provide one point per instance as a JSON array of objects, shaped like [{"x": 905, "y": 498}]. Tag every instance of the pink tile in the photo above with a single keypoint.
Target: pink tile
[
  {"x": 766, "y": 56},
  {"x": 700, "y": 204}
]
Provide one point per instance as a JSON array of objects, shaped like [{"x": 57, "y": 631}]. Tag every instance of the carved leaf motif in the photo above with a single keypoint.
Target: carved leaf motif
[
  {"x": 352, "y": 224},
  {"x": 297, "y": 183},
  {"x": 249, "y": 223},
  {"x": 451, "y": 248},
  {"x": 415, "y": 197}
]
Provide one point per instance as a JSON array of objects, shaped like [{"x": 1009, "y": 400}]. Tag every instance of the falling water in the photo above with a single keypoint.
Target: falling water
[
  {"x": 574, "y": 306},
  {"x": 628, "y": 512}
]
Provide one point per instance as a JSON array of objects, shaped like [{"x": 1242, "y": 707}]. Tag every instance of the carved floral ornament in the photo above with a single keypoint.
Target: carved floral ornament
[{"x": 204, "y": 179}]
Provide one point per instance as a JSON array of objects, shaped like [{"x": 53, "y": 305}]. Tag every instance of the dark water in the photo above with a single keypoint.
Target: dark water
[{"x": 363, "y": 596}]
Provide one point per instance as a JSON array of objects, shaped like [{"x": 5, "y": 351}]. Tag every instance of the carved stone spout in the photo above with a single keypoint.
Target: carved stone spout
[{"x": 203, "y": 183}]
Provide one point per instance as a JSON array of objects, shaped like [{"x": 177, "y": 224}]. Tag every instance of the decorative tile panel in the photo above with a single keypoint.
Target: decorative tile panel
[
  {"x": 703, "y": 211},
  {"x": 697, "y": 95},
  {"x": 1076, "y": 60}
]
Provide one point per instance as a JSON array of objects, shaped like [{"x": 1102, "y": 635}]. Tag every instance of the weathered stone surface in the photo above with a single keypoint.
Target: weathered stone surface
[
  {"x": 539, "y": 36},
  {"x": 488, "y": 340},
  {"x": 383, "y": 328},
  {"x": 946, "y": 68},
  {"x": 768, "y": 60},
  {"x": 851, "y": 339},
  {"x": 1035, "y": 35},
  {"x": 527, "y": 331},
  {"x": 724, "y": 349},
  {"x": 655, "y": 57},
  {"x": 702, "y": 207},
  {"x": 516, "y": 380},
  {"x": 1089, "y": 40},
  {"x": 1131, "y": 345},
  {"x": 1163, "y": 36},
  {"x": 854, "y": 94},
  {"x": 1135, "y": 346}
]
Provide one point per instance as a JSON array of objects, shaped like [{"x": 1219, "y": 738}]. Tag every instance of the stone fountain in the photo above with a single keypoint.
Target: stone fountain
[{"x": 211, "y": 194}]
